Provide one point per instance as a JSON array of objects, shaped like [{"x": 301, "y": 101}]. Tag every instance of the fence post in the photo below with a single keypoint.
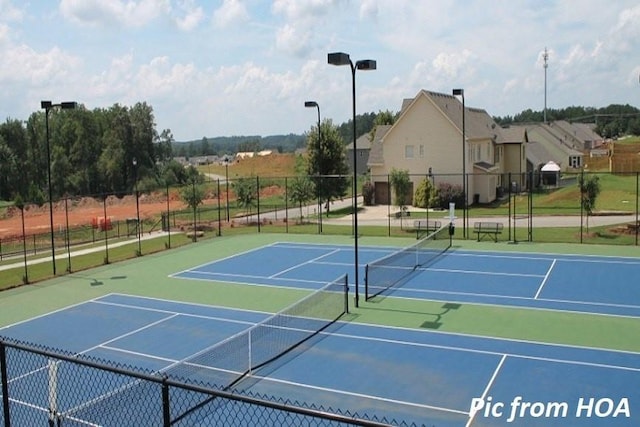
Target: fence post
[
  {"x": 106, "y": 229},
  {"x": 166, "y": 410},
  {"x": 286, "y": 204},
  {"x": 581, "y": 203},
  {"x": 5, "y": 385},
  {"x": 66, "y": 215},
  {"x": 637, "y": 192},
  {"x": 168, "y": 218},
  {"x": 258, "y": 199},
  {"x": 219, "y": 216},
  {"x": 509, "y": 187}
]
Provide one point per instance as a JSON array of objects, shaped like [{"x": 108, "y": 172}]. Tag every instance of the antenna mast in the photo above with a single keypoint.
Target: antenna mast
[{"x": 545, "y": 56}]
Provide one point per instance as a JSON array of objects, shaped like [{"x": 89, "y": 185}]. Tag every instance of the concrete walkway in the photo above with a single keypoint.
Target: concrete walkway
[
  {"x": 78, "y": 252},
  {"x": 379, "y": 215}
]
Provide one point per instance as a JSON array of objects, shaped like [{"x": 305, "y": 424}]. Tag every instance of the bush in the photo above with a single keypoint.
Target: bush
[
  {"x": 368, "y": 192},
  {"x": 449, "y": 193},
  {"x": 424, "y": 195}
]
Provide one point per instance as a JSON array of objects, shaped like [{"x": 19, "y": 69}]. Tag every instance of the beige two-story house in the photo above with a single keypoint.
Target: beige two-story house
[{"x": 427, "y": 140}]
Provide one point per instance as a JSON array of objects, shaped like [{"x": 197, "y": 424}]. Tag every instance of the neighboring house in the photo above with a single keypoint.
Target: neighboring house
[
  {"x": 426, "y": 140},
  {"x": 249, "y": 154},
  {"x": 363, "y": 147},
  {"x": 560, "y": 142}
]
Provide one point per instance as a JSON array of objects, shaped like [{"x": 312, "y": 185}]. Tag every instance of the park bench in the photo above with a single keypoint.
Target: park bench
[
  {"x": 422, "y": 225},
  {"x": 486, "y": 228}
]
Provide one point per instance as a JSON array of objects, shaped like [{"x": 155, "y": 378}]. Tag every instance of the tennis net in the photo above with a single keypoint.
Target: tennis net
[
  {"x": 223, "y": 365},
  {"x": 228, "y": 362},
  {"x": 386, "y": 272}
]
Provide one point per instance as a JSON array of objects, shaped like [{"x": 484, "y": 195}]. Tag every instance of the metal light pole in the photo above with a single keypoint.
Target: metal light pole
[
  {"x": 310, "y": 104},
  {"x": 460, "y": 92},
  {"x": 48, "y": 106},
  {"x": 341, "y": 58},
  {"x": 135, "y": 184}
]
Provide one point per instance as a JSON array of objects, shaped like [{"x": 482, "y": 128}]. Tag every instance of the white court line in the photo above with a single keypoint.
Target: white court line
[
  {"x": 273, "y": 276},
  {"x": 247, "y": 276},
  {"x": 546, "y": 276},
  {"x": 613, "y": 259},
  {"x": 486, "y": 389}
]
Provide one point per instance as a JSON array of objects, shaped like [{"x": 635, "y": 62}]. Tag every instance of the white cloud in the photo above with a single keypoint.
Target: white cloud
[
  {"x": 192, "y": 15},
  {"x": 105, "y": 13},
  {"x": 231, "y": 12},
  {"x": 9, "y": 12},
  {"x": 302, "y": 9},
  {"x": 290, "y": 40},
  {"x": 369, "y": 9}
]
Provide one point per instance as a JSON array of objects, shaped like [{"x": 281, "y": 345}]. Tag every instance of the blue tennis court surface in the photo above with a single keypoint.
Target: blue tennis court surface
[
  {"x": 605, "y": 285},
  {"x": 414, "y": 376}
]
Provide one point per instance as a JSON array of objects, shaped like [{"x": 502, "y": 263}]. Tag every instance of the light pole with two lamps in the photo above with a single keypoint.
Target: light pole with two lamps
[
  {"x": 48, "y": 106},
  {"x": 341, "y": 58},
  {"x": 311, "y": 104}
]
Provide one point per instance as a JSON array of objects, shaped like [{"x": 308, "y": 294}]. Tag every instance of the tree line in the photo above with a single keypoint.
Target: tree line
[
  {"x": 91, "y": 152},
  {"x": 612, "y": 121}
]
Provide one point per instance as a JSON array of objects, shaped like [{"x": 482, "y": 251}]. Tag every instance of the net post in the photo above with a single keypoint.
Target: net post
[
  {"x": 5, "y": 384},
  {"x": 366, "y": 282},
  {"x": 52, "y": 370},
  {"x": 346, "y": 293}
]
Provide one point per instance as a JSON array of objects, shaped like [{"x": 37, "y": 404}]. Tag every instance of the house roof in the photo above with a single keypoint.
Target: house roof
[
  {"x": 478, "y": 123},
  {"x": 365, "y": 142},
  {"x": 375, "y": 154},
  {"x": 513, "y": 134},
  {"x": 536, "y": 154}
]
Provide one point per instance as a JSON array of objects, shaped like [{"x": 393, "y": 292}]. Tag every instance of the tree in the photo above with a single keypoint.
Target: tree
[
  {"x": 424, "y": 194},
  {"x": 401, "y": 184},
  {"x": 382, "y": 118},
  {"x": 301, "y": 191},
  {"x": 193, "y": 195},
  {"x": 326, "y": 162},
  {"x": 589, "y": 190},
  {"x": 246, "y": 190}
]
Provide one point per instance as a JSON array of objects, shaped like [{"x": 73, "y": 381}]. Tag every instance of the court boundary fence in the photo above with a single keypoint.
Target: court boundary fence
[{"x": 40, "y": 386}]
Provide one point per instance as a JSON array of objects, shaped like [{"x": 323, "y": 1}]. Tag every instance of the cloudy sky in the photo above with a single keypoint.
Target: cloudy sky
[{"x": 245, "y": 67}]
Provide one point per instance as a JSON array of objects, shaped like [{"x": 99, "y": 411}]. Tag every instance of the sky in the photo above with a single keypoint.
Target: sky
[{"x": 246, "y": 67}]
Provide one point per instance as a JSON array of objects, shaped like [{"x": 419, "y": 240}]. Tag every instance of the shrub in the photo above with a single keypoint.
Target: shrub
[
  {"x": 424, "y": 195},
  {"x": 368, "y": 192},
  {"x": 449, "y": 193}
]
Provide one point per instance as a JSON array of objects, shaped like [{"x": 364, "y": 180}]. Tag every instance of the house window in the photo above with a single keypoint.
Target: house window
[
  {"x": 408, "y": 151},
  {"x": 421, "y": 151},
  {"x": 574, "y": 161}
]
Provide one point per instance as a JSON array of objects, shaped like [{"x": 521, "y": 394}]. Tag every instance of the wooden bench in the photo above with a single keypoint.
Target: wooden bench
[
  {"x": 429, "y": 226},
  {"x": 485, "y": 228}
]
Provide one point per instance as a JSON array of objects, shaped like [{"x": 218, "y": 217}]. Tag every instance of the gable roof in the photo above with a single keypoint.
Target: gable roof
[
  {"x": 376, "y": 154},
  {"x": 478, "y": 123}
]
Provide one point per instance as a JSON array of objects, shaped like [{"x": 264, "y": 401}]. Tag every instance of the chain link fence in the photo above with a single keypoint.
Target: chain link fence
[
  {"x": 42, "y": 386},
  {"x": 535, "y": 207}
]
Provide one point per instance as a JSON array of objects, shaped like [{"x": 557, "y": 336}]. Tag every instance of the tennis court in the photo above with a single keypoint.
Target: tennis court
[
  {"x": 361, "y": 364},
  {"x": 590, "y": 284},
  {"x": 414, "y": 376}
]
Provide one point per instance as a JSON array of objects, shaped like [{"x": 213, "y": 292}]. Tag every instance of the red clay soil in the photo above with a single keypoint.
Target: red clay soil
[
  {"x": 83, "y": 212},
  {"x": 86, "y": 210}
]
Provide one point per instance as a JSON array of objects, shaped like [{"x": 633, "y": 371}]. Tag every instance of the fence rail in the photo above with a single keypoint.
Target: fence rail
[{"x": 42, "y": 386}]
